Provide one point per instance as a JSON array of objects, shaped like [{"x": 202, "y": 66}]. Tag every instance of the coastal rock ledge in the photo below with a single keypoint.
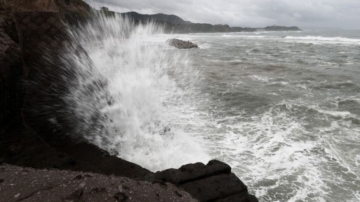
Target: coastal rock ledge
[
  {"x": 180, "y": 44},
  {"x": 30, "y": 185},
  {"x": 190, "y": 183}
]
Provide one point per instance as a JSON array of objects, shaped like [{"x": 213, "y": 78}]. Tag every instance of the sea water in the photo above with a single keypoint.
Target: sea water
[{"x": 282, "y": 108}]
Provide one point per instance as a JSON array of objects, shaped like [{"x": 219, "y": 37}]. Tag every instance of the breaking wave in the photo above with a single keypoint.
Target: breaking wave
[{"x": 140, "y": 109}]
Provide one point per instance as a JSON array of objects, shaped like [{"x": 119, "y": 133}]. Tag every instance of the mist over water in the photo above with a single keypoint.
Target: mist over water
[{"x": 282, "y": 108}]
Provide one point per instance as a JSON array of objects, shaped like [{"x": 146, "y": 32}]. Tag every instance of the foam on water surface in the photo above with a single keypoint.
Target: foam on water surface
[
  {"x": 321, "y": 39},
  {"x": 290, "y": 130}
]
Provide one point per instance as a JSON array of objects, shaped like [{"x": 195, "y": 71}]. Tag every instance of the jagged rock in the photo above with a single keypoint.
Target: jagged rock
[
  {"x": 181, "y": 44},
  {"x": 30, "y": 185},
  {"x": 211, "y": 182}
]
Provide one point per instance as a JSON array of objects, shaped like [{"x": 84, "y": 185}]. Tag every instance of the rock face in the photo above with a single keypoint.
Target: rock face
[
  {"x": 29, "y": 5},
  {"x": 29, "y": 185},
  {"x": 10, "y": 73},
  {"x": 49, "y": 74},
  {"x": 181, "y": 44},
  {"x": 26, "y": 148},
  {"x": 211, "y": 182},
  {"x": 75, "y": 12}
]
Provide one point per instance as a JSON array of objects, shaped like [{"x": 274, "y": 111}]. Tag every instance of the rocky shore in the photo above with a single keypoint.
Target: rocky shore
[
  {"x": 39, "y": 162},
  {"x": 31, "y": 185}
]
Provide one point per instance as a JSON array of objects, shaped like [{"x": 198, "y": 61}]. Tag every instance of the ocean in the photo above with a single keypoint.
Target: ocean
[{"x": 281, "y": 108}]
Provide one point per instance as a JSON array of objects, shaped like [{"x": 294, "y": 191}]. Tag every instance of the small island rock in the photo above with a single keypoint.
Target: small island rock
[{"x": 181, "y": 44}]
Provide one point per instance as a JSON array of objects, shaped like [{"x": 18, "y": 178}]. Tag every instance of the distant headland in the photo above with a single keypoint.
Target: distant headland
[{"x": 175, "y": 24}]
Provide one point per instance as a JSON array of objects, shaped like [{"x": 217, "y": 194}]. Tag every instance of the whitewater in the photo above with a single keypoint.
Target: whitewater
[{"x": 282, "y": 108}]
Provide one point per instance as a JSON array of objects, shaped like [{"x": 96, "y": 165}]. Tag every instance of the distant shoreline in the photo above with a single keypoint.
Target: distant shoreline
[{"x": 175, "y": 24}]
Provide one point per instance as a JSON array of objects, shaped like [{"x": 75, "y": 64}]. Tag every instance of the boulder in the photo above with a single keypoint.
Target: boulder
[
  {"x": 181, "y": 44},
  {"x": 30, "y": 185},
  {"x": 211, "y": 182}
]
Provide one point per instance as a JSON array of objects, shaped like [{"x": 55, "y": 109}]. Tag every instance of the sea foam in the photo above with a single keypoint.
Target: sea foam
[{"x": 146, "y": 90}]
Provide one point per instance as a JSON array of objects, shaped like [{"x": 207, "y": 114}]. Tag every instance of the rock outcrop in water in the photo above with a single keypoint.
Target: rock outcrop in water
[
  {"x": 41, "y": 142},
  {"x": 180, "y": 44}
]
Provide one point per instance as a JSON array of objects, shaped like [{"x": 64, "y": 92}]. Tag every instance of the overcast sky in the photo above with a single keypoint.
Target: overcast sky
[{"x": 343, "y": 14}]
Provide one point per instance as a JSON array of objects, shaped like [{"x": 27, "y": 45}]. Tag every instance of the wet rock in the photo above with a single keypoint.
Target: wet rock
[
  {"x": 192, "y": 172},
  {"x": 211, "y": 182},
  {"x": 181, "y": 44},
  {"x": 36, "y": 153}
]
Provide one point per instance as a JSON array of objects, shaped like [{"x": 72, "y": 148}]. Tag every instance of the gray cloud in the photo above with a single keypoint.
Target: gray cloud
[{"x": 254, "y": 13}]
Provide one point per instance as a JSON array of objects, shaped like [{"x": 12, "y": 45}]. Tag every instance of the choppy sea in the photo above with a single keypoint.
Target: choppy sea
[{"x": 282, "y": 108}]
